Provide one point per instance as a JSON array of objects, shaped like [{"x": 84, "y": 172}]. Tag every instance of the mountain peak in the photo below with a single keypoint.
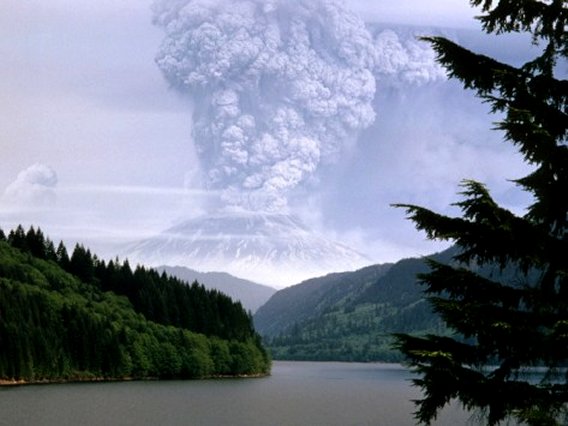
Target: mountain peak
[{"x": 275, "y": 249}]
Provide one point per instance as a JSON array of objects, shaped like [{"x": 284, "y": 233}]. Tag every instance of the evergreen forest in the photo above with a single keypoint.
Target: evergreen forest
[
  {"x": 76, "y": 317},
  {"x": 352, "y": 316}
]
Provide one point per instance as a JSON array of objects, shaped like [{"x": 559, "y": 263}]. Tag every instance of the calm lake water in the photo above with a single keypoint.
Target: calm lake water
[{"x": 297, "y": 393}]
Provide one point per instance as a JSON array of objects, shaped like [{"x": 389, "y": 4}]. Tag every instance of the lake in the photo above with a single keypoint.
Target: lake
[{"x": 297, "y": 393}]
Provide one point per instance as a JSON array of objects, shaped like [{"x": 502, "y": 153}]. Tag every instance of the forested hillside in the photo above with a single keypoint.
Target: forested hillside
[
  {"x": 78, "y": 317},
  {"x": 352, "y": 316},
  {"x": 294, "y": 305},
  {"x": 250, "y": 294},
  {"x": 349, "y": 316}
]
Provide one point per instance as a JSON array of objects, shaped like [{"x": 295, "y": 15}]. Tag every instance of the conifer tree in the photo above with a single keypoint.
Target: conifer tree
[
  {"x": 50, "y": 253},
  {"x": 82, "y": 263},
  {"x": 36, "y": 243},
  {"x": 17, "y": 238},
  {"x": 510, "y": 324},
  {"x": 62, "y": 256}
]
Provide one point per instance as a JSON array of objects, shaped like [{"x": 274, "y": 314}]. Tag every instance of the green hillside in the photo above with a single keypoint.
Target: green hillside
[
  {"x": 313, "y": 297},
  {"x": 78, "y": 318},
  {"x": 349, "y": 316}
]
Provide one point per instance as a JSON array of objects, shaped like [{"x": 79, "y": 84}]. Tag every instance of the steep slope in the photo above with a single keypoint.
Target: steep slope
[
  {"x": 276, "y": 249},
  {"x": 313, "y": 297},
  {"x": 78, "y": 318},
  {"x": 349, "y": 316},
  {"x": 250, "y": 294}
]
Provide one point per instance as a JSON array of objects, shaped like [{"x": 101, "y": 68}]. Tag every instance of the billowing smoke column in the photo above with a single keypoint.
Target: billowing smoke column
[
  {"x": 403, "y": 60},
  {"x": 278, "y": 87}
]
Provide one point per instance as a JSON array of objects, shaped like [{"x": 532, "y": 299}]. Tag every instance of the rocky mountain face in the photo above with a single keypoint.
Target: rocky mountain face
[{"x": 274, "y": 249}]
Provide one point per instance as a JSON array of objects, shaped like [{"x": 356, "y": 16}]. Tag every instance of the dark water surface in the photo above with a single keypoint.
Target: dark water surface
[{"x": 297, "y": 393}]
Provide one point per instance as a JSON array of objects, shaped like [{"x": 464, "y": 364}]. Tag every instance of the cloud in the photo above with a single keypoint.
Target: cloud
[
  {"x": 33, "y": 187},
  {"x": 135, "y": 190},
  {"x": 403, "y": 60},
  {"x": 279, "y": 87},
  {"x": 444, "y": 13}
]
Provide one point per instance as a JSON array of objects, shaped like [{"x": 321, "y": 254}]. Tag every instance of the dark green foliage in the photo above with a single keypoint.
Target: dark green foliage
[
  {"x": 17, "y": 238},
  {"x": 312, "y": 298},
  {"x": 519, "y": 324},
  {"x": 32, "y": 242},
  {"x": 349, "y": 316},
  {"x": 54, "y": 326},
  {"x": 82, "y": 264},
  {"x": 251, "y": 295},
  {"x": 61, "y": 256},
  {"x": 169, "y": 301},
  {"x": 159, "y": 297}
]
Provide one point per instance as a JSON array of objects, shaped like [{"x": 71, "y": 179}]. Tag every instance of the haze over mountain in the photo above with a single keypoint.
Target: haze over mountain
[
  {"x": 274, "y": 249},
  {"x": 138, "y": 120},
  {"x": 265, "y": 125},
  {"x": 250, "y": 294}
]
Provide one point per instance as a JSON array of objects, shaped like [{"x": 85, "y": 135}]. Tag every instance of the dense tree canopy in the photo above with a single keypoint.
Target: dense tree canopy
[
  {"x": 79, "y": 317},
  {"x": 505, "y": 329}
]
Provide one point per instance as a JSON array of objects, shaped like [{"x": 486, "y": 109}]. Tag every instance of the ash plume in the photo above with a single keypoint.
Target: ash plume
[
  {"x": 403, "y": 60},
  {"x": 278, "y": 87}
]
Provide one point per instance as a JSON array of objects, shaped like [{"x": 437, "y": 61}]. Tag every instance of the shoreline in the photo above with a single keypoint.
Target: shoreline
[{"x": 21, "y": 382}]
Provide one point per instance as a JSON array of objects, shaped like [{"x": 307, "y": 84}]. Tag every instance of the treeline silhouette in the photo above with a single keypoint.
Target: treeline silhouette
[{"x": 76, "y": 316}]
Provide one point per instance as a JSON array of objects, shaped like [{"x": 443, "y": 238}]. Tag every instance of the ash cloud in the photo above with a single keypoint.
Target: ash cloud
[
  {"x": 278, "y": 88},
  {"x": 403, "y": 60},
  {"x": 33, "y": 187}
]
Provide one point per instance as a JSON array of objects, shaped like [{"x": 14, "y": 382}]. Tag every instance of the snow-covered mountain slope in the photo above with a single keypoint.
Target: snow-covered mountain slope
[{"x": 274, "y": 249}]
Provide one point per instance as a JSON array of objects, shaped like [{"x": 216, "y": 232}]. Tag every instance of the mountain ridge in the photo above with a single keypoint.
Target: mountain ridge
[
  {"x": 306, "y": 299},
  {"x": 252, "y": 295},
  {"x": 349, "y": 316}
]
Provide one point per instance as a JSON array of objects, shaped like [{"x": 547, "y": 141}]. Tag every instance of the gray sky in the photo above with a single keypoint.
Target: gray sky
[{"x": 82, "y": 97}]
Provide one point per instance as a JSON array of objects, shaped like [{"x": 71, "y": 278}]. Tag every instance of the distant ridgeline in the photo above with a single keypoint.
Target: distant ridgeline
[
  {"x": 351, "y": 316},
  {"x": 78, "y": 318}
]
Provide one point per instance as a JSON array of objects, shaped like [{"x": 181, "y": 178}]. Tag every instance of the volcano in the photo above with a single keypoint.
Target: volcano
[{"x": 274, "y": 249}]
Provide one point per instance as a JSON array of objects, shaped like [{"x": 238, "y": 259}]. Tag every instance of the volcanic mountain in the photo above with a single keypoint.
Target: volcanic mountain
[{"x": 274, "y": 249}]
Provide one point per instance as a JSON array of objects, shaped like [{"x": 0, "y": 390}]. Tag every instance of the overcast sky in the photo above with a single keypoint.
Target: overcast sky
[{"x": 96, "y": 146}]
